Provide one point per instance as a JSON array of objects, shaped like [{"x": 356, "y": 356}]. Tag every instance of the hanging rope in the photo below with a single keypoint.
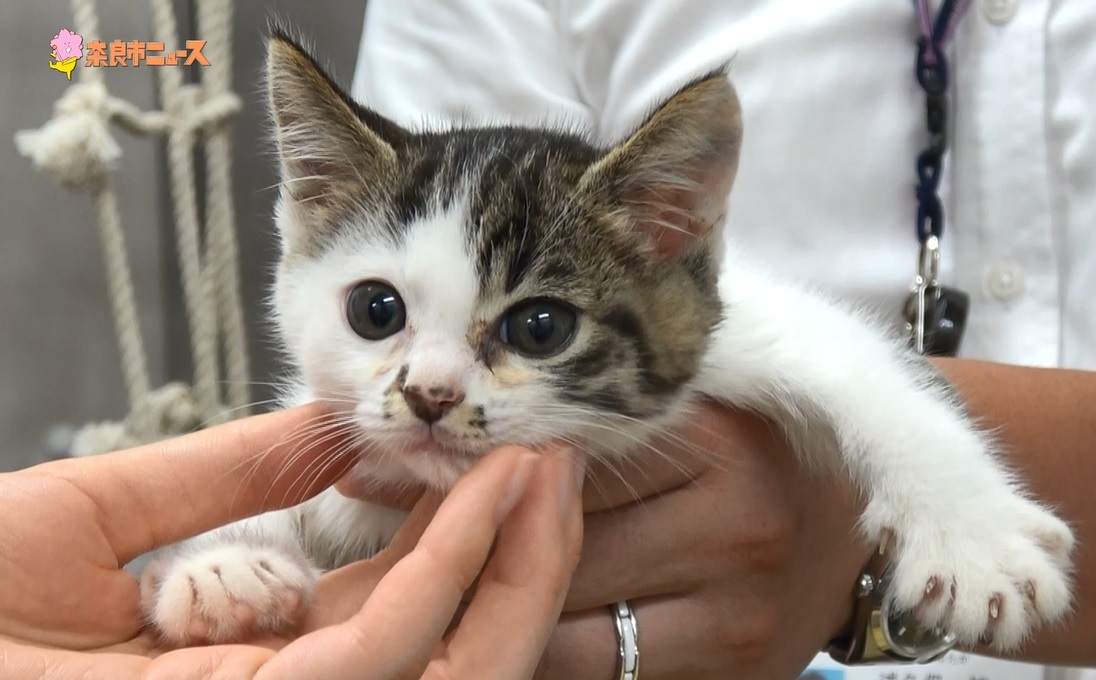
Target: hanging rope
[
  {"x": 215, "y": 20},
  {"x": 77, "y": 148}
]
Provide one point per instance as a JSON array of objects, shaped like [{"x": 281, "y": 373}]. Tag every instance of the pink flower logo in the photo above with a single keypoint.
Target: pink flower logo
[{"x": 68, "y": 47}]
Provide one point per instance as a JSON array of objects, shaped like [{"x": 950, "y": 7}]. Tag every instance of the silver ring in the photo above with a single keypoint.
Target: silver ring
[{"x": 628, "y": 637}]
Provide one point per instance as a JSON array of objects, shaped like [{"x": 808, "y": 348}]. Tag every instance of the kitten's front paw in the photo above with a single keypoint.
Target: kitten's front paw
[
  {"x": 226, "y": 593},
  {"x": 992, "y": 575}
]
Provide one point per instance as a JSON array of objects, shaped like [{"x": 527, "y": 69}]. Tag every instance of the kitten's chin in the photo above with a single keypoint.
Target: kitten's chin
[{"x": 436, "y": 459}]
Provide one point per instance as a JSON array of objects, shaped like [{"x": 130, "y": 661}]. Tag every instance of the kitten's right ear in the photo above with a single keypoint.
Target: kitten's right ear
[
  {"x": 333, "y": 151},
  {"x": 673, "y": 174}
]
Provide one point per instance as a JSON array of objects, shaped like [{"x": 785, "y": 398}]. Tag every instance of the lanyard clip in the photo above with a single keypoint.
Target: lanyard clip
[
  {"x": 935, "y": 315},
  {"x": 924, "y": 294}
]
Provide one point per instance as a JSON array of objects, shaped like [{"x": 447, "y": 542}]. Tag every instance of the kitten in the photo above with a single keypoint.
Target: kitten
[{"x": 447, "y": 292}]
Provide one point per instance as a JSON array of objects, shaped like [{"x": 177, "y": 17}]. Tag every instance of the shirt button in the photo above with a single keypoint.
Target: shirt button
[
  {"x": 999, "y": 12},
  {"x": 1005, "y": 281}
]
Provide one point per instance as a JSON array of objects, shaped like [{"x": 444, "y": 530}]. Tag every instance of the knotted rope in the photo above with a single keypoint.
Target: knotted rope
[{"x": 77, "y": 149}]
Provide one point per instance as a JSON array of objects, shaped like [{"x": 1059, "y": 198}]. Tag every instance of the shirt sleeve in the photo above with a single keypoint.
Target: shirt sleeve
[{"x": 423, "y": 62}]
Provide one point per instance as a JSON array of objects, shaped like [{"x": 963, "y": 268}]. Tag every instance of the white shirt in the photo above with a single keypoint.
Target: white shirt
[{"x": 833, "y": 122}]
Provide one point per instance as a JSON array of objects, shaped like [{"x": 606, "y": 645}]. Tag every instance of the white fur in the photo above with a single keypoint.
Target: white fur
[
  {"x": 816, "y": 368},
  {"x": 928, "y": 474}
]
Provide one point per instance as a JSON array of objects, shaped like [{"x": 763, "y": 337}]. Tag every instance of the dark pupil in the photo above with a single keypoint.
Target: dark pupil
[
  {"x": 382, "y": 309},
  {"x": 540, "y": 326}
]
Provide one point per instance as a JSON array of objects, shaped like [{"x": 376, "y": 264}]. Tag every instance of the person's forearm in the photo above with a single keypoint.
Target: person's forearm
[{"x": 1046, "y": 420}]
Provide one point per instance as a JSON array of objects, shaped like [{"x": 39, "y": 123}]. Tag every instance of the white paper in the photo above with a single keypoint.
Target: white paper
[{"x": 955, "y": 666}]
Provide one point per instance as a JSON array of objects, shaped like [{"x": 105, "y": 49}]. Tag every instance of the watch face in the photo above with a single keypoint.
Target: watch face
[{"x": 910, "y": 639}]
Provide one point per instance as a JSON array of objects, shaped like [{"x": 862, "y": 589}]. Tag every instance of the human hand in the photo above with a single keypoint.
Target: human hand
[
  {"x": 738, "y": 562},
  {"x": 68, "y": 527},
  {"x": 736, "y": 559},
  {"x": 400, "y": 632},
  {"x": 69, "y": 610}
]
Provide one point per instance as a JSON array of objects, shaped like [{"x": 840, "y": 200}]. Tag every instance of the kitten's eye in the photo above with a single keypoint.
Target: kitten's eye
[
  {"x": 538, "y": 327},
  {"x": 375, "y": 310}
]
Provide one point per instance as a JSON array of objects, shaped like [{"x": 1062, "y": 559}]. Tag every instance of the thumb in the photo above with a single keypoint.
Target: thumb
[{"x": 161, "y": 493}]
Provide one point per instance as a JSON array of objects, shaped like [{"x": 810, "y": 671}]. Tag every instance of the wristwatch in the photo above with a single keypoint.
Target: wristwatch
[{"x": 881, "y": 635}]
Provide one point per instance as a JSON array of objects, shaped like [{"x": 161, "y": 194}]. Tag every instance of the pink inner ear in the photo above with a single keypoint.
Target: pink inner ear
[
  {"x": 669, "y": 219},
  {"x": 676, "y": 217}
]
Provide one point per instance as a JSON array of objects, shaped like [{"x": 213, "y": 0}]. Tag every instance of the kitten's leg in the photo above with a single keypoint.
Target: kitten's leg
[
  {"x": 972, "y": 551},
  {"x": 257, "y": 575}
]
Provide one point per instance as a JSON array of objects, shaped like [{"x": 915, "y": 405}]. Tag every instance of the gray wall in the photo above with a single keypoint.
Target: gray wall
[{"x": 58, "y": 358}]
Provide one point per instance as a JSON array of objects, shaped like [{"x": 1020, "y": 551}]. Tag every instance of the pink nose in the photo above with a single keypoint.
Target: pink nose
[{"x": 432, "y": 403}]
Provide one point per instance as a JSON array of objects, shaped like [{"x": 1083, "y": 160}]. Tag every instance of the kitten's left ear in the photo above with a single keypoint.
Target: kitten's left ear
[{"x": 672, "y": 176}]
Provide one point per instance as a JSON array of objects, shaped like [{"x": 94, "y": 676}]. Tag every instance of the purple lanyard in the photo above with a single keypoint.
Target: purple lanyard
[{"x": 936, "y": 315}]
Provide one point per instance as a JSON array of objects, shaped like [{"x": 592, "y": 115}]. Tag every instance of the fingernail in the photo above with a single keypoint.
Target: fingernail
[{"x": 519, "y": 481}]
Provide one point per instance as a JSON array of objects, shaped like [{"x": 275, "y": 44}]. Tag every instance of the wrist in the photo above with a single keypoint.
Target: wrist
[
  {"x": 847, "y": 644},
  {"x": 832, "y": 558},
  {"x": 844, "y": 622}
]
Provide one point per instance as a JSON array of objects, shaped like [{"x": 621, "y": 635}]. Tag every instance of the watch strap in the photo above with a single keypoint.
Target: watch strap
[{"x": 858, "y": 645}]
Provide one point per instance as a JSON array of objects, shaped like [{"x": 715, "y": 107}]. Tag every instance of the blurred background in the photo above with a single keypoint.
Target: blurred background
[{"x": 59, "y": 363}]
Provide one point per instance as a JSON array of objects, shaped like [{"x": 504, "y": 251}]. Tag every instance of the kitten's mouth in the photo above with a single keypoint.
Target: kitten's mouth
[
  {"x": 432, "y": 439},
  {"x": 421, "y": 454}
]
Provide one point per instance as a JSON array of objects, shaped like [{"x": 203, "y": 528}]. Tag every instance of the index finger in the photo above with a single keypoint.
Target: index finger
[
  {"x": 161, "y": 493},
  {"x": 406, "y": 615},
  {"x": 521, "y": 591}
]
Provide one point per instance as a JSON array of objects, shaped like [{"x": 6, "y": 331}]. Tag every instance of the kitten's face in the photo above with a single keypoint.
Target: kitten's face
[{"x": 455, "y": 291}]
